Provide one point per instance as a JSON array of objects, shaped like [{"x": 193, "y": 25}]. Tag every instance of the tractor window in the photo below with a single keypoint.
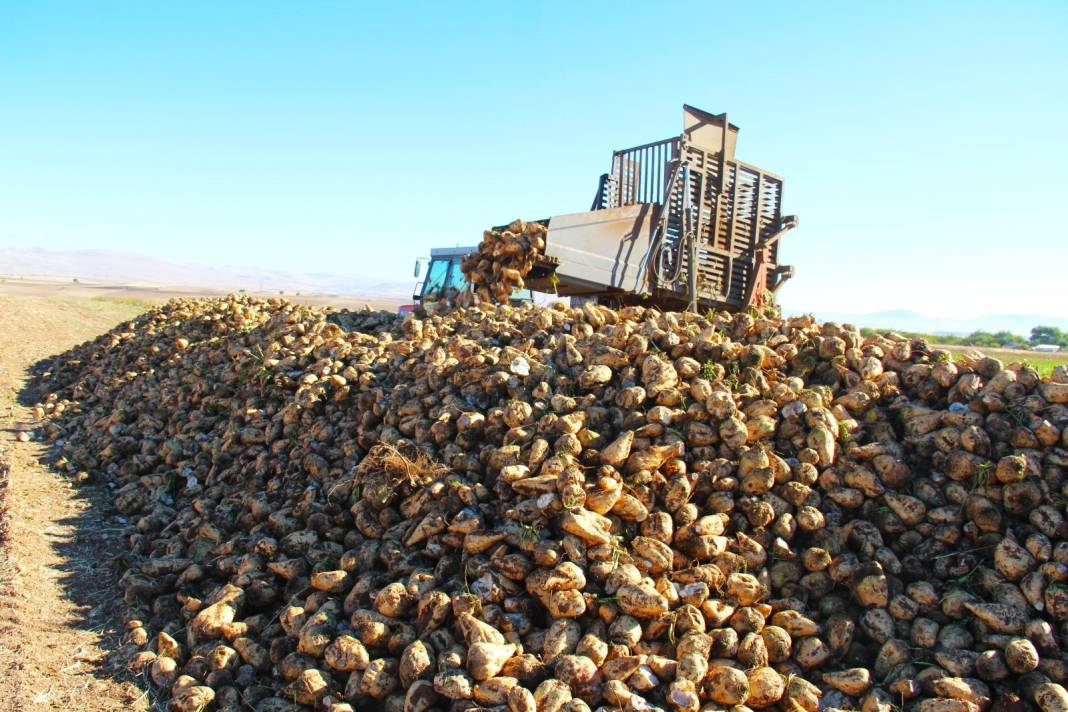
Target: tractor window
[
  {"x": 436, "y": 276},
  {"x": 457, "y": 280}
]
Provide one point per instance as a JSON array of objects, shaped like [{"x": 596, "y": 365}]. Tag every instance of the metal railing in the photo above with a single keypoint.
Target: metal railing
[
  {"x": 713, "y": 213},
  {"x": 638, "y": 175}
]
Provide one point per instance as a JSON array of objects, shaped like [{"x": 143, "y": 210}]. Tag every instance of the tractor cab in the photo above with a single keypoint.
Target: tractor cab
[
  {"x": 444, "y": 278},
  {"x": 445, "y": 281}
]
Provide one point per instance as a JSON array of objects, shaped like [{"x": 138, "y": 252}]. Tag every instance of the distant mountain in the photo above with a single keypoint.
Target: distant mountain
[
  {"x": 904, "y": 320},
  {"x": 134, "y": 268}
]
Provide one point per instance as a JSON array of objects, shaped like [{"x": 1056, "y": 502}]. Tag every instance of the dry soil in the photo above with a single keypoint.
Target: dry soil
[{"x": 59, "y": 603}]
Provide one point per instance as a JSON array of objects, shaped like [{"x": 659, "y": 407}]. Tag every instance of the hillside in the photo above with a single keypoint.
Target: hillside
[{"x": 129, "y": 267}]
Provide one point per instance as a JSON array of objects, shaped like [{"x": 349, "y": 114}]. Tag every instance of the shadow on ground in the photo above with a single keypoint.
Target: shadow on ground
[{"x": 90, "y": 546}]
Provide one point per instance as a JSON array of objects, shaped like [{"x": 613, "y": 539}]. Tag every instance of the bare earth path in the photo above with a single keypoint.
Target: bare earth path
[{"x": 59, "y": 602}]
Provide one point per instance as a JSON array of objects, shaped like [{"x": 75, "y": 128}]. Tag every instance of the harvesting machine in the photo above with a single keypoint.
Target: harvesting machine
[{"x": 679, "y": 223}]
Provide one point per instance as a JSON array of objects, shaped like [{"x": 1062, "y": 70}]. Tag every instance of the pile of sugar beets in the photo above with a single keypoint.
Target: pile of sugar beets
[
  {"x": 504, "y": 257},
  {"x": 549, "y": 509}
]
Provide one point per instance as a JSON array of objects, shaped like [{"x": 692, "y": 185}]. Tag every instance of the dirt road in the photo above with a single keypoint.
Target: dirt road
[{"x": 59, "y": 603}]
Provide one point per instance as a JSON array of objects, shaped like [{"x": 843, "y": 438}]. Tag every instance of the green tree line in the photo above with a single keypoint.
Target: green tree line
[{"x": 998, "y": 339}]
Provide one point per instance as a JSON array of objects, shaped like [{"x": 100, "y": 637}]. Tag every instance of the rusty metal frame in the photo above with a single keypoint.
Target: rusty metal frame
[{"x": 686, "y": 167}]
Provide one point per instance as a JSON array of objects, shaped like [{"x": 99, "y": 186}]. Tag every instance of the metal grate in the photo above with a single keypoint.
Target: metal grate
[
  {"x": 640, "y": 173},
  {"x": 733, "y": 207}
]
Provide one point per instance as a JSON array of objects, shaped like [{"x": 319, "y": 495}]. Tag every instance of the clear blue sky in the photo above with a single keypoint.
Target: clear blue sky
[{"x": 923, "y": 144}]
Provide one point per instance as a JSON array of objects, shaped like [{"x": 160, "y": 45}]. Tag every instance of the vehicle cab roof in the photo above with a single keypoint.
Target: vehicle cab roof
[{"x": 452, "y": 251}]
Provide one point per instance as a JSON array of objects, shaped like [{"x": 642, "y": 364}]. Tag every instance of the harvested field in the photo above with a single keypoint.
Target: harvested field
[
  {"x": 1044, "y": 363},
  {"x": 59, "y": 600},
  {"x": 144, "y": 296},
  {"x": 564, "y": 509}
]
